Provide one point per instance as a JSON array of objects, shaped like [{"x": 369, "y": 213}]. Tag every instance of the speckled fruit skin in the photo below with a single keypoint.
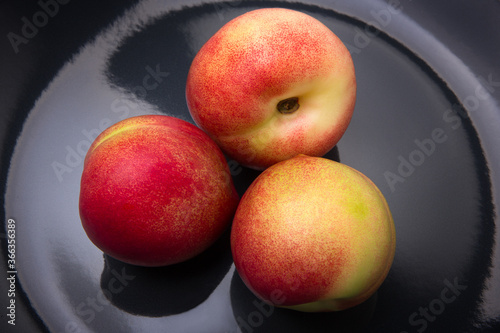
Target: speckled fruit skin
[
  {"x": 155, "y": 191},
  {"x": 313, "y": 235},
  {"x": 258, "y": 59}
]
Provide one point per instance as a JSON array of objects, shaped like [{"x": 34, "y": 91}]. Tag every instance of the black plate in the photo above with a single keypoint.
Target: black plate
[{"x": 426, "y": 130}]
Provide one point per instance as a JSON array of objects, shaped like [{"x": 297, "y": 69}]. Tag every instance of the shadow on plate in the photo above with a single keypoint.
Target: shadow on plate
[
  {"x": 168, "y": 290},
  {"x": 253, "y": 315}
]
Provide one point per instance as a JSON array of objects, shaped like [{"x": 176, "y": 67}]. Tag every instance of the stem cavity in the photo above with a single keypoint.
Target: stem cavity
[{"x": 289, "y": 105}]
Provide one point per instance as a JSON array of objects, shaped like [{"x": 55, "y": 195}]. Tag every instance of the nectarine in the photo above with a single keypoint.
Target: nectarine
[
  {"x": 155, "y": 190},
  {"x": 311, "y": 234},
  {"x": 271, "y": 84}
]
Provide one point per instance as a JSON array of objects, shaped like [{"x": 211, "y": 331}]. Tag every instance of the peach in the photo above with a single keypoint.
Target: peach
[
  {"x": 155, "y": 190},
  {"x": 313, "y": 235},
  {"x": 271, "y": 84}
]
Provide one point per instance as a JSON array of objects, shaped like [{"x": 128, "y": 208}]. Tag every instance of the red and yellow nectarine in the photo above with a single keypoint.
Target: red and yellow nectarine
[
  {"x": 270, "y": 84},
  {"x": 313, "y": 235},
  {"x": 155, "y": 190}
]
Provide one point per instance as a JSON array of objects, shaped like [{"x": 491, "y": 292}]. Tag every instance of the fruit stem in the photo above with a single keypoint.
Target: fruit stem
[{"x": 289, "y": 105}]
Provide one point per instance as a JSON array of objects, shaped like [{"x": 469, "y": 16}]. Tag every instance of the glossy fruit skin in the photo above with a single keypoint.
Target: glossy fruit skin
[
  {"x": 155, "y": 190},
  {"x": 255, "y": 61},
  {"x": 313, "y": 235}
]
